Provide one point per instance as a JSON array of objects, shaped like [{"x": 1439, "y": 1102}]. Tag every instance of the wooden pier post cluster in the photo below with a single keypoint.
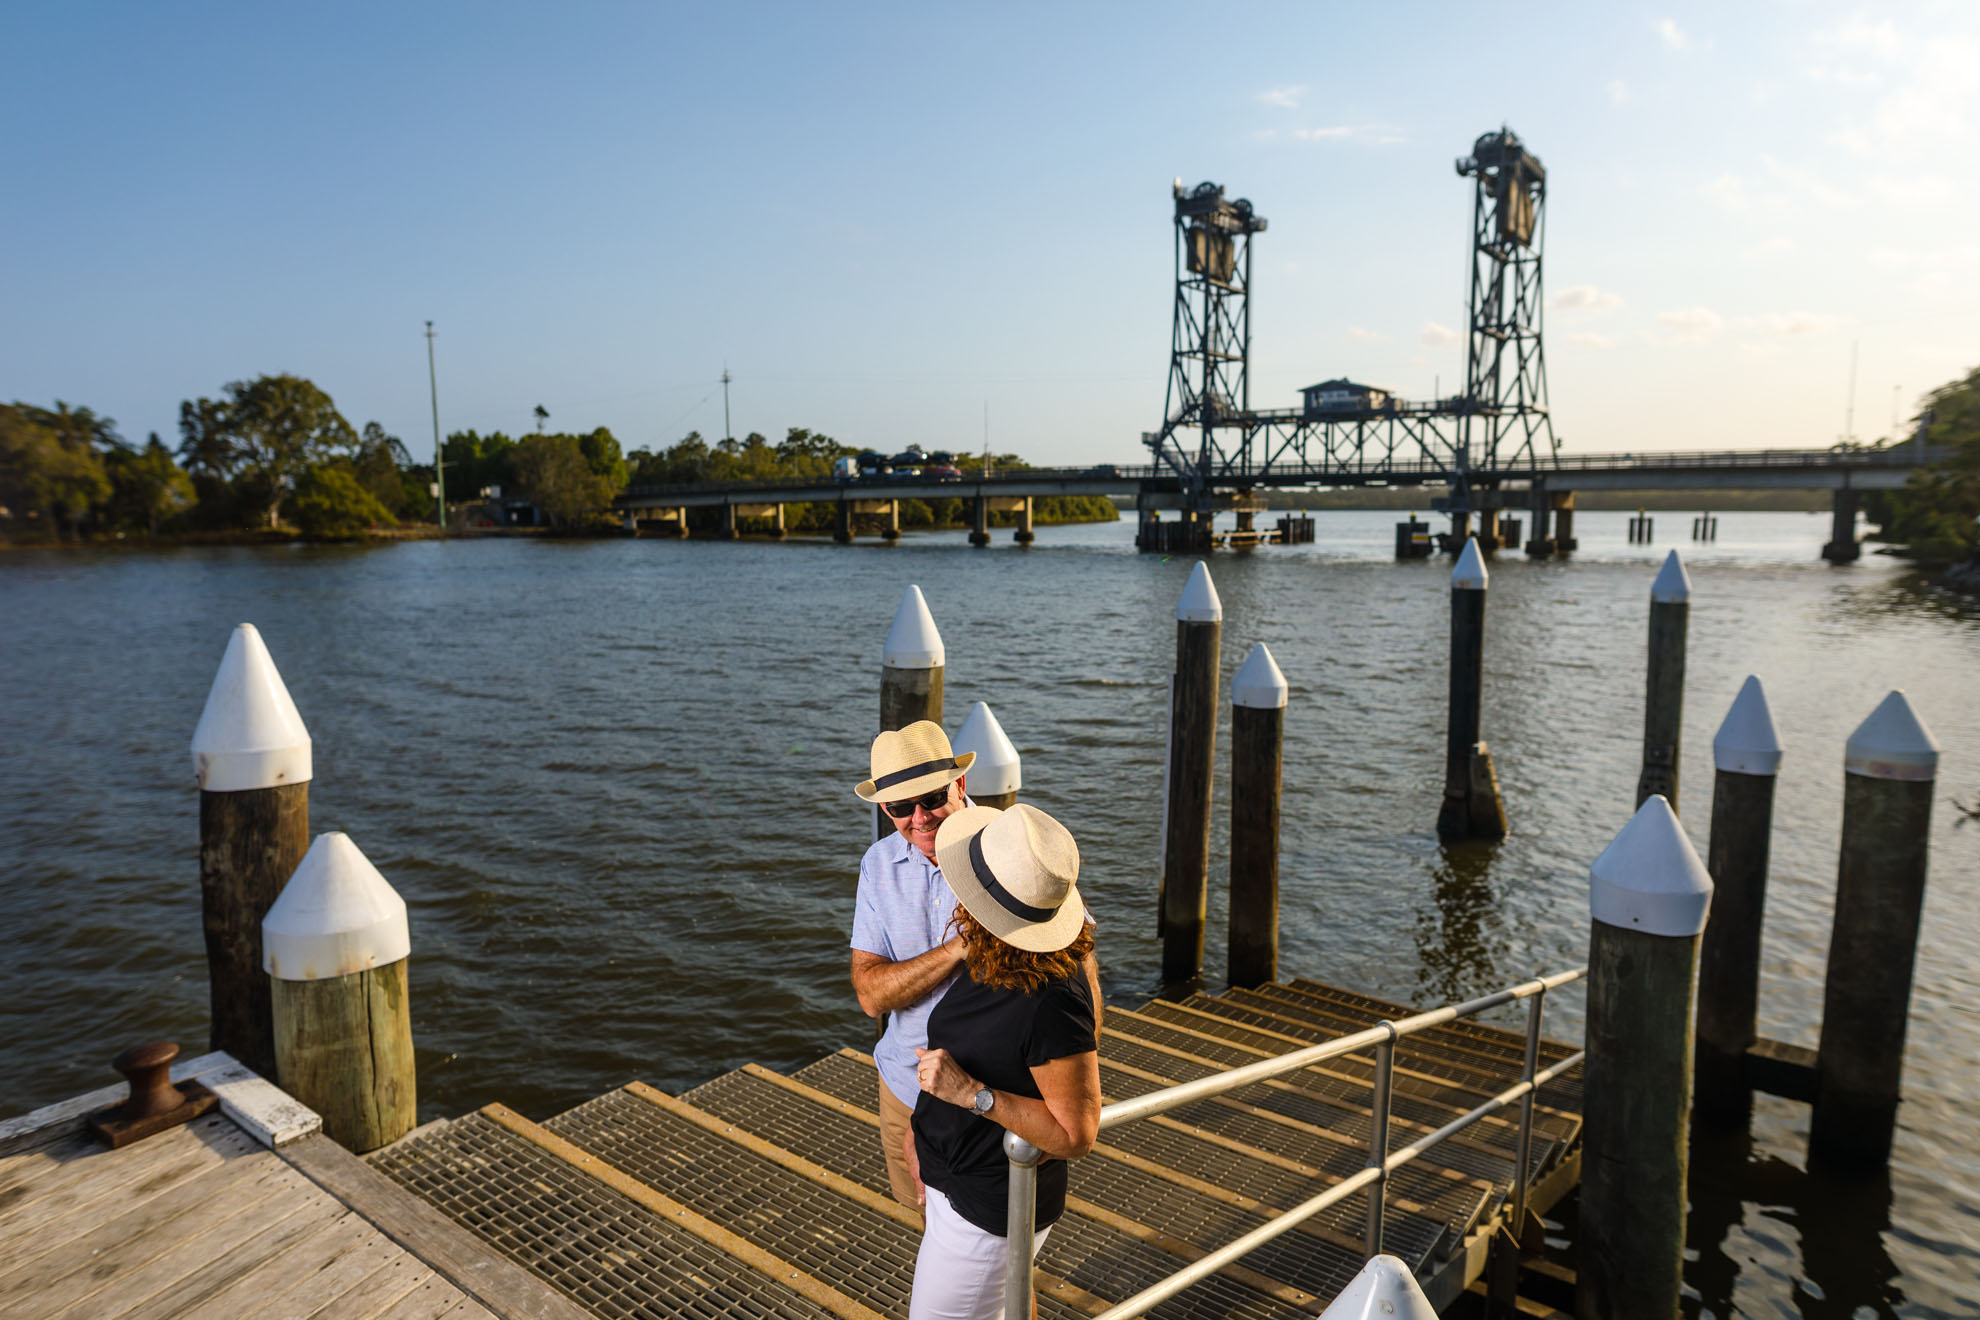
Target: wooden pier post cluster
[
  {"x": 306, "y": 944},
  {"x": 1472, "y": 807}
]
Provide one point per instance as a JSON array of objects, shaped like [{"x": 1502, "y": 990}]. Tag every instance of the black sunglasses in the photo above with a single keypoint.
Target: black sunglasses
[{"x": 928, "y": 802}]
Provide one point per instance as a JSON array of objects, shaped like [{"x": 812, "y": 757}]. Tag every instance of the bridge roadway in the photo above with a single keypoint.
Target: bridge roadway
[{"x": 1547, "y": 489}]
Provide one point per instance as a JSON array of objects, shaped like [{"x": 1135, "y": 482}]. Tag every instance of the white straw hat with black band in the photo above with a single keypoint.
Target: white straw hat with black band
[
  {"x": 1015, "y": 871},
  {"x": 907, "y": 763}
]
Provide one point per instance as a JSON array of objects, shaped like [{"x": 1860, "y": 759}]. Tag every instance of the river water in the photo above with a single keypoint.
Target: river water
[{"x": 613, "y": 781}]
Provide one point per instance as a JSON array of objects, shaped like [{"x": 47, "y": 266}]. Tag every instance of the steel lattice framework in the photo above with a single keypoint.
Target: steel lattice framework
[{"x": 1212, "y": 438}]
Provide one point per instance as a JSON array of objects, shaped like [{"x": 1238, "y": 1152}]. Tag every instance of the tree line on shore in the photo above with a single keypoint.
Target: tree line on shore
[
  {"x": 1936, "y": 516},
  {"x": 274, "y": 454}
]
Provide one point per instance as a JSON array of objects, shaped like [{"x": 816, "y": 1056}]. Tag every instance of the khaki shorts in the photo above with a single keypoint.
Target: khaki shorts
[{"x": 896, "y": 1121}]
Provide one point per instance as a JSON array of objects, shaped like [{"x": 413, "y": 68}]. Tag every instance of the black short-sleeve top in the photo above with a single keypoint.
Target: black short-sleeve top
[{"x": 998, "y": 1037}]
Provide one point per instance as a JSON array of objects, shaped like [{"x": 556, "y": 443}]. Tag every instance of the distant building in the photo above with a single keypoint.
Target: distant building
[{"x": 1345, "y": 396}]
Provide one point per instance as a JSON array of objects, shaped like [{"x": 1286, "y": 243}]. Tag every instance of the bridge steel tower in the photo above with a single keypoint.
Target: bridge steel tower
[
  {"x": 1210, "y": 342},
  {"x": 1502, "y": 417}
]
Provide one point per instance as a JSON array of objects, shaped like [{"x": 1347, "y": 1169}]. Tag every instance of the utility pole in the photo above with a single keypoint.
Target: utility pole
[
  {"x": 728, "y": 431},
  {"x": 1849, "y": 415},
  {"x": 439, "y": 462}
]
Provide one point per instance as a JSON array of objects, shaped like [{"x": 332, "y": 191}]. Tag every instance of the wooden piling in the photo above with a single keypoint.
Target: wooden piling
[
  {"x": 1746, "y": 756},
  {"x": 336, "y": 947},
  {"x": 997, "y": 773},
  {"x": 911, "y": 666},
  {"x": 1663, "y": 700},
  {"x": 1648, "y": 896},
  {"x": 1890, "y": 766},
  {"x": 251, "y": 755},
  {"x": 1258, "y": 736},
  {"x": 1184, "y": 896},
  {"x": 1472, "y": 807}
]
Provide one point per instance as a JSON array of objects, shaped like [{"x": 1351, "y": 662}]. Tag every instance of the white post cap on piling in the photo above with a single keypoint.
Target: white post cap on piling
[
  {"x": 913, "y": 643},
  {"x": 1746, "y": 743},
  {"x": 336, "y": 916},
  {"x": 249, "y": 734},
  {"x": 996, "y": 770},
  {"x": 1470, "y": 574},
  {"x": 1199, "y": 603},
  {"x": 1673, "y": 584},
  {"x": 1384, "y": 1290},
  {"x": 1649, "y": 878},
  {"x": 1893, "y": 743},
  {"x": 1258, "y": 684}
]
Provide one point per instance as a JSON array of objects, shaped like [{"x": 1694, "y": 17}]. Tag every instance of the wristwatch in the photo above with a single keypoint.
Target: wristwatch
[{"x": 985, "y": 1097}]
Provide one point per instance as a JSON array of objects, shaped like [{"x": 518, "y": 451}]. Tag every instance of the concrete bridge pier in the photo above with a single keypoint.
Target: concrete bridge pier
[
  {"x": 1564, "y": 542},
  {"x": 1488, "y": 529},
  {"x": 890, "y": 528},
  {"x": 1024, "y": 535},
  {"x": 1539, "y": 545},
  {"x": 728, "y": 531},
  {"x": 774, "y": 512},
  {"x": 842, "y": 521},
  {"x": 979, "y": 524},
  {"x": 1842, "y": 547}
]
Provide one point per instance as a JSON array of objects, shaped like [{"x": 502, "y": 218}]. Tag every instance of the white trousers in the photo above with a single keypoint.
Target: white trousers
[{"x": 959, "y": 1274}]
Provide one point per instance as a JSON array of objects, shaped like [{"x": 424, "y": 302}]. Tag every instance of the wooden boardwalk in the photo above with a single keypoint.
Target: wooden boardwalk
[{"x": 762, "y": 1195}]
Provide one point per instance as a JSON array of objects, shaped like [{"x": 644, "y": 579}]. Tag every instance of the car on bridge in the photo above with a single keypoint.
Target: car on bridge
[
  {"x": 941, "y": 466},
  {"x": 874, "y": 465}
]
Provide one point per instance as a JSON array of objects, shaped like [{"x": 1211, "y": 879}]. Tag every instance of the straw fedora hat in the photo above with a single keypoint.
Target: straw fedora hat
[
  {"x": 909, "y": 762},
  {"x": 1014, "y": 870}
]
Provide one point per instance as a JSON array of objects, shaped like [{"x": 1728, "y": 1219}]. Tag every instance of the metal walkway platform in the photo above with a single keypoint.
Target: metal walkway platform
[{"x": 761, "y": 1195}]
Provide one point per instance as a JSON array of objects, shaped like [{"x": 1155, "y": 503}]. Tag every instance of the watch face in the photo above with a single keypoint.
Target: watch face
[{"x": 984, "y": 1099}]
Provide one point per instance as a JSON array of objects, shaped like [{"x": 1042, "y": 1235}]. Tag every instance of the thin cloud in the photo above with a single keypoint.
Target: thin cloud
[
  {"x": 1364, "y": 334},
  {"x": 1582, "y": 298},
  {"x": 1691, "y": 323},
  {"x": 1286, "y": 98},
  {"x": 1374, "y": 135},
  {"x": 1787, "y": 325},
  {"x": 1440, "y": 336},
  {"x": 1673, "y": 35}
]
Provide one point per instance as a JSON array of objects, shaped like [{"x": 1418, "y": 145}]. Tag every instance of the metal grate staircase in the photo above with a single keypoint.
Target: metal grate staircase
[{"x": 758, "y": 1195}]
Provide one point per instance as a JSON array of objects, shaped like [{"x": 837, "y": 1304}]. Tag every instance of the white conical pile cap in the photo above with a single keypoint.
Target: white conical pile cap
[
  {"x": 1199, "y": 603},
  {"x": 1649, "y": 878},
  {"x": 249, "y": 735},
  {"x": 1892, "y": 744},
  {"x": 913, "y": 643},
  {"x": 1384, "y": 1290},
  {"x": 1259, "y": 685},
  {"x": 1746, "y": 743},
  {"x": 996, "y": 771},
  {"x": 1673, "y": 584},
  {"x": 1470, "y": 574},
  {"x": 336, "y": 916}
]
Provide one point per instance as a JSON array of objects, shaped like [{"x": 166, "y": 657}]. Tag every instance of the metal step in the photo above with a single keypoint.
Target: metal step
[
  {"x": 617, "y": 1258},
  {"x": 1109, "y": 1253}
]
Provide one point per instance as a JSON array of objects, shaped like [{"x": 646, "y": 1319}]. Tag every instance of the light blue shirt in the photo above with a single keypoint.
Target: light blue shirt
[{"x": 902, "y": 912}]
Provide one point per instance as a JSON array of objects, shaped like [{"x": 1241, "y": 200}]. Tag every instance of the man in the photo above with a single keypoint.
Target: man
[{"x": 903, "y": 954}]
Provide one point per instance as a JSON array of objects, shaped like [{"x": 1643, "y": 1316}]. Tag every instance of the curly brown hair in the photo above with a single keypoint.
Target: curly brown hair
[{"x": 1003, "y": 966}]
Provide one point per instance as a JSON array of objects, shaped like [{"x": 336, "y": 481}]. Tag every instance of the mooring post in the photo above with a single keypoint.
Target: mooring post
[
  {"x": 335, "y": 946},
  {"x": 1385, "y": 1287},
  {"x": 1192, "y": 751},
  {"x": 1746, "y": 756},
  {"x": 1258, "y": 736},
  {"x": 1472, "y": 806},
  {"x": 995, "y": 776},
  {"x": 1890, "y": 769},
  {"x": 910, "y": 675},
  {"x": 1663, "y": 700},
  {"x": 1648, "y": 895},
  {"x": 251, "y": 755}
]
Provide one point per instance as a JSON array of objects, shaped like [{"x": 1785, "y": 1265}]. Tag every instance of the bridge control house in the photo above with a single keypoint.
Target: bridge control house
[{"x": 1345, "y": 396}]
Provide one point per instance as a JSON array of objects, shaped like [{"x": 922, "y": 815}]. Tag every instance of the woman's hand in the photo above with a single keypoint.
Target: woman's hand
[{"x": 942, "y": 1077}]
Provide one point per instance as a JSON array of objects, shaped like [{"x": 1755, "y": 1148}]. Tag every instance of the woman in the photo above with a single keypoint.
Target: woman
[{"x": 1011, "y": 1047}]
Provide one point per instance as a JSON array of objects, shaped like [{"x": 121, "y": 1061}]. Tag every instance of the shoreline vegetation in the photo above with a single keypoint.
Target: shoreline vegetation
[{"x": 272, "y": 461}]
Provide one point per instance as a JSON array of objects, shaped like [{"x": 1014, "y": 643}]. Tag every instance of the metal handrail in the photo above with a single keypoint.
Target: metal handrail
[{"x": 1021, "y": 1213}]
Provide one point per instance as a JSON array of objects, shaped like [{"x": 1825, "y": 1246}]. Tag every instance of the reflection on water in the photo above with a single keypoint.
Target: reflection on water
[{"x": 613, "y": 781}]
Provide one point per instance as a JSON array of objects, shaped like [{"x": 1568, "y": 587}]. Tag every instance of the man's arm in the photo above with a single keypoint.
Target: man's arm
[{"x": 884, "y": 986}]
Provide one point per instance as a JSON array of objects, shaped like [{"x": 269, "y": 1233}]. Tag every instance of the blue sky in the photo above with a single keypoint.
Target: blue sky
[{"x": 883, "y": 218}]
